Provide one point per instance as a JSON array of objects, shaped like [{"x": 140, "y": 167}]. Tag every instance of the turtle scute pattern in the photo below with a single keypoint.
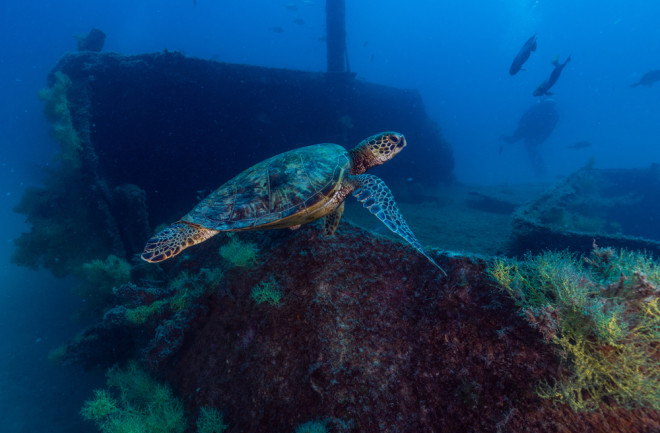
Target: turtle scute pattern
[{"x": 274, "y": 189}]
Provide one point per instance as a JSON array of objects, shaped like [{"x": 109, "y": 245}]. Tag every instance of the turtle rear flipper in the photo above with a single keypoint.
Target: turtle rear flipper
[
  {"x": 174, "y": 239},
  {"x": 331, "y": 220},
  {"x": 372, "y": 192}
]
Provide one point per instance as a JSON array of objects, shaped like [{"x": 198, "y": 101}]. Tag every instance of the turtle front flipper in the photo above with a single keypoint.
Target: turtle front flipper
[
  {"x": 372, "y": 192},
  {"x": 174, "y": 239},
  {"x": 331, "y": 220}
]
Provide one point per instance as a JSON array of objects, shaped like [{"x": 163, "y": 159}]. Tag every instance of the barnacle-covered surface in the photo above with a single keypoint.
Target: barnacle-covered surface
[{"x": 367, "y": 335}]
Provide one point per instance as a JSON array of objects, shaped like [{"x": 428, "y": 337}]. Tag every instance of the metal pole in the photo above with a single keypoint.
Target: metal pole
[{"x": 335, "y": 11}]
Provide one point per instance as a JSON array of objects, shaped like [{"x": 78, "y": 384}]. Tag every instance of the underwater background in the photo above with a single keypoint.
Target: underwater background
[{"x": 456, "y": 54}]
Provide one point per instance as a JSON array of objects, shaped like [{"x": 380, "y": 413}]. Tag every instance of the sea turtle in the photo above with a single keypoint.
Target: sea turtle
[{"x": 290, "y": 189}]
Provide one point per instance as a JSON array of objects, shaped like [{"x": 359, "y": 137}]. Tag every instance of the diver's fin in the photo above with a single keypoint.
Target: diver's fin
[
  {"x": 331, "y": 220},
  {"x": 555, "y": 60},
  {"x": 173, "y": 239},
  {"x": 372, "y": 192}
]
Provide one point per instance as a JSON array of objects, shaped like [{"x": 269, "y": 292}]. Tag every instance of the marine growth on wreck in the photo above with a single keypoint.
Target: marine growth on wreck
[{"x": 318, "y": 298}]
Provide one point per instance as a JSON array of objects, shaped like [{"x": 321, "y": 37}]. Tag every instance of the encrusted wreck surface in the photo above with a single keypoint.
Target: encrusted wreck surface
[
  {"x": 613, "y": 207},
  {"x": 368, "y": 336}
]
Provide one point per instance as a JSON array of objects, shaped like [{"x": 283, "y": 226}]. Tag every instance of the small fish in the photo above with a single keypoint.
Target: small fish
[
  {"x": 299, "y": 21},
  {"x": 276, "y": 29},
  {"x": 579, "y": 145},
  {"x": 648, "y": 79},
  {"x": 523, "y": 55},
  {"x": 544, "y": 87}
]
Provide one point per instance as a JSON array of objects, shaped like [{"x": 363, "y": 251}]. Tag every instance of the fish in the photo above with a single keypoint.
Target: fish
[
  {"x": 579, "y": 145},
  {"x": 544, "y": 87},
  {"x": 523, "y": 55},
  {"x": 648, "y": 79}
]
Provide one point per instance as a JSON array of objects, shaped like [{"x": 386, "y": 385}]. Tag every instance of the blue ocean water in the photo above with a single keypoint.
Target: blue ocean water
[{"x": 455, "y": 53}]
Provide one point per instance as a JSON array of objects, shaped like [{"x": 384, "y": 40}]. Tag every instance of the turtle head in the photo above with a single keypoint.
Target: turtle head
[{"x": 376, "y": 150}]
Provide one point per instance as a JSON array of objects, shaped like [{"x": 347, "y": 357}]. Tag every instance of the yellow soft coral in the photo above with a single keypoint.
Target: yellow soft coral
[{"x": 602, "y": 315}]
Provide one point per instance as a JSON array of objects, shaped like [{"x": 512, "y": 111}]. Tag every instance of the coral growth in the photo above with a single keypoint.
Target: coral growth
[
  {"x": 239, "y": 254},
  {"x": 371, "y": 336},
  {"x": 141, "y": 404},
  {"x": 312, "y": 427},
  {"x": 167, "y": 312},
  {"x": 57, "y": 111},
  {"x": 98, "y": 278},
  {"x": 267, "y": 291},
  {"x": 103, "y": 275},
  {"x": 602, "y": 315},
  {"x": 370, "y": 339},
  {"x": 68, "y": 228},
  {"x": 183, "y": 291},
  {"x": 101, "y": 407},
  {"x": 210, "y": 420}
]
